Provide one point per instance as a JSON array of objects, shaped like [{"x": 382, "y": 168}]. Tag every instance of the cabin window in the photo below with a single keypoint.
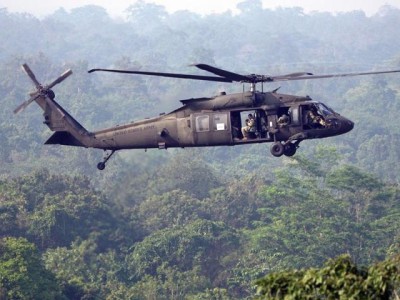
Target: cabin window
[
  {"x": 202, "y": 123},
  {"x": 220, "y": 122}
]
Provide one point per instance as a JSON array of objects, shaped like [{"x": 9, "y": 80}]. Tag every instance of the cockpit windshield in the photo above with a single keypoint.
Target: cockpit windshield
[{"x": 323, "y": 109}]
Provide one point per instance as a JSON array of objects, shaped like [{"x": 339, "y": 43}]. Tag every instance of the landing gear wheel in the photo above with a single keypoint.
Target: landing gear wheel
[
  {"x": 101, "y": 166},
  {"x": 290, "y": 149},
  {"x": 277, "y": 149}
]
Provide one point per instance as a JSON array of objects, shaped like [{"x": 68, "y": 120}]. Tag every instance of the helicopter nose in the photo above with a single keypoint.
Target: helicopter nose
[{"x": 346, "y": 125}]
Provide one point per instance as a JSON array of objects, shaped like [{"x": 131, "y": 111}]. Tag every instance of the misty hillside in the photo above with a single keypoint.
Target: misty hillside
[{"x": 193, "y": 223}]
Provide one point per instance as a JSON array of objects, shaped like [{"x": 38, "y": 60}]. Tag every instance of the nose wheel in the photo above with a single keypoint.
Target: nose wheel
[
  {"x": 107, "y": 155},
  {"x": 290, "y": 149},
  {"x": 277, "y": 149}
]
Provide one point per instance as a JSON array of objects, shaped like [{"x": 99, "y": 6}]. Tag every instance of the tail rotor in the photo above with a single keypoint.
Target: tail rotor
[{"x": 41, "y": 91}]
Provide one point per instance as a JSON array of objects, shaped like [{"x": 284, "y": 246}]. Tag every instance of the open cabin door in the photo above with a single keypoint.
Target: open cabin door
[{"x": 258, "y": 131}]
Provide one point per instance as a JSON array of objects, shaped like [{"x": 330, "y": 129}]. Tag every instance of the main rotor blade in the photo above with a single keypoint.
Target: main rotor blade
[
  {"x": 310, "y": 76},
  {"x": 171, "y": 75},
  {"x": 62, "y": 77},
  {"x": 227, "y": 76},
  {"x": 232, "y": 76},
  {"x": 29, "y": 72},
  {"x": 291, "y": 76}
]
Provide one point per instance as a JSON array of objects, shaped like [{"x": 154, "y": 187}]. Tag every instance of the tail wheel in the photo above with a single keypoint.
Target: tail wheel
[
  {"x": 101, "y": 166},
  {"x": 290, "y": 149},
  {"x": 107, "y": 155},
  {"x": 277, "y": 149}
]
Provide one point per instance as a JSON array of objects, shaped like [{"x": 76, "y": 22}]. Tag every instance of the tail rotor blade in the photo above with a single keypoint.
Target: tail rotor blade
[
  {"x": 23, "y": 105},
  {"x": 60, "y": 79},
  {"x": 29, "y": 72}
]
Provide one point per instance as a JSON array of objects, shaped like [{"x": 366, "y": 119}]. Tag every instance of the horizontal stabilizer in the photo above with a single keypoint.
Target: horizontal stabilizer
[{"x": 63, "y": 138}]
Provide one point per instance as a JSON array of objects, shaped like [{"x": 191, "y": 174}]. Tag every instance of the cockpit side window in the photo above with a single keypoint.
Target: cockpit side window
[{"x": 324, "y": 110}]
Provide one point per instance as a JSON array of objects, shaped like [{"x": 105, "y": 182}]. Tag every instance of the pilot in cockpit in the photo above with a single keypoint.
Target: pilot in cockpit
[{"x": 314, "y": 118}]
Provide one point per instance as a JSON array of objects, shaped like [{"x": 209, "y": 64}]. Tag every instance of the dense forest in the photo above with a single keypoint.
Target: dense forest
[{"x": 192, "y": 223}]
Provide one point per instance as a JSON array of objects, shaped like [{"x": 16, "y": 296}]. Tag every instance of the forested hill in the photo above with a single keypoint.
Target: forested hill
[{"x": 189, "y": 223}]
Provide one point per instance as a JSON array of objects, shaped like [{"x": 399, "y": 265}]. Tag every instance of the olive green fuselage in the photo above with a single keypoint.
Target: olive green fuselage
[{"x": 218, "y": 121}]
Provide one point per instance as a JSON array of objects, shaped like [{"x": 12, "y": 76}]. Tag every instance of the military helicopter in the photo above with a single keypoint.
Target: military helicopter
[{"x": 223, "y": 120}]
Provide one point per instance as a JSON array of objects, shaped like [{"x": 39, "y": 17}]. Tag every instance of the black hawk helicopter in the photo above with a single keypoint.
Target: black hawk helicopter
[{"x": 223, "y": 120}]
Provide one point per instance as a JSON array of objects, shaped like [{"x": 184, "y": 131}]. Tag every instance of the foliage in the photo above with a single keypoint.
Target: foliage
[
  {"x": 55, "y": 209},
  {"x": 187, "y": 173},
  {"x": 169, "y": 210},
  {"x": 199, "y": 244},
  {"x": 22, "y": 274},
  {"x": 169, "y": 284},
  {"x": 83, "y": 272},
  {"x": 339, "y": 278}
]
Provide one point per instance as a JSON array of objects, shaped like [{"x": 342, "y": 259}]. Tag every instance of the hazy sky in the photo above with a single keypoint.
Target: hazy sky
[{"x": 116, "y": 7}]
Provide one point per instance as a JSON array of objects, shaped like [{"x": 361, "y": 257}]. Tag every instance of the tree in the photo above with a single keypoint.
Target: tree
[
  {"x": 339, "y": 278},
  {"x": 201, "y": 244},
  {"x": 314, "y": 207},
  {"x": 147, "y": 15},
  {"x": 171, "y": 209},
  {"x": 13, "y": 213},
  {"x": 84, "y": 273},
  {"x": 22, "y": 273},
  {"x": 187, "y": 172},
  {"x": 170, "y": 284},
  {"x": 236, "y": 202},
  {"x": 58, "y": 209}
]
